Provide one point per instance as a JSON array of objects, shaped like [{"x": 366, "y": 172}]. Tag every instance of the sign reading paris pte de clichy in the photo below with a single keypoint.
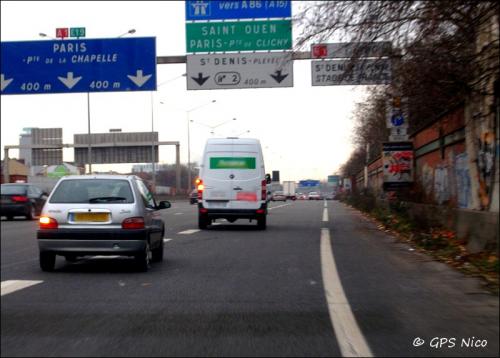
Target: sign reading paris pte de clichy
[
  {"x": 248, "y": 70},
  {"x": 238, "y": 36},
  {"x": 83, "y": 65}
]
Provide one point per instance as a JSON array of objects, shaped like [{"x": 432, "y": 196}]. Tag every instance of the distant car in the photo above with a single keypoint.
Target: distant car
[
  {"x": 101, "y": 215},
  {"x": 193, "y": 197},
  {"x": 21, "y": 199},
  {"x": 278, "y": 196},
  {"x": 313, "y": 195},
  {"x": 301, "y": 196},
  {"x": 330, "y": 196},
  {"x": 291, "y": 196}
]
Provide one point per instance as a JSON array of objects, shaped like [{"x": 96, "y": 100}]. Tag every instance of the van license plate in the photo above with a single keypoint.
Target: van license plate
[
  {"x": 92, "y": 217},
  {"x": 217, "y": 204}
]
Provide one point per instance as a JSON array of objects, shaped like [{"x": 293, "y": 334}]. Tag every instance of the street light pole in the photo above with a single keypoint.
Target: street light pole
[
  {"x": 153, "y": 159},
  {"x": 189, "y": 141}
]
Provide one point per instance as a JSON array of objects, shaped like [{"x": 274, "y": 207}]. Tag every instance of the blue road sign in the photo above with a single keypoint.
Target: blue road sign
[
  {"x": 236, "y": 9},
  {"x": 308, "y": 183},
  {"x": 397, "y": 119},
  {"x": 83, "y": 65}
]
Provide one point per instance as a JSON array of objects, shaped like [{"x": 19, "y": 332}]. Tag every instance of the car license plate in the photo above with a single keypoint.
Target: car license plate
[
  {"x": 217, "y": 204},
  {"x": 92, "y": 217}
]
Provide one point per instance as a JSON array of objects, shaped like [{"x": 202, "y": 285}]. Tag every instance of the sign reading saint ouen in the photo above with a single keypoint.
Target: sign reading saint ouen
[
  {"x": 238, "y": 36},
  {"x": 84, "y": 65}
]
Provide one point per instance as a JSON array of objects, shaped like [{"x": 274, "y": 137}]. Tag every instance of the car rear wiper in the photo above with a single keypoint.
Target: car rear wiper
[{"x": 106, "y": 199}]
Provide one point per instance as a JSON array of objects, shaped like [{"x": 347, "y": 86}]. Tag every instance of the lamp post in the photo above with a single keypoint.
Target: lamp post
[
  {"x": 189, "y": 140},
  {"x": 131, "y": 31},
  {"x": 213, "y": 127},
  {"x": 41, "y": 34}
]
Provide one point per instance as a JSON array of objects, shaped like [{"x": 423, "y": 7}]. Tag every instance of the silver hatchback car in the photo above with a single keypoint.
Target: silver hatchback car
[{"x": 101, "y": 215}]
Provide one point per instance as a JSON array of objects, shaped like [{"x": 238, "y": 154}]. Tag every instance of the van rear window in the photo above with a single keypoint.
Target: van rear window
[{"x": 232, "y": 163}]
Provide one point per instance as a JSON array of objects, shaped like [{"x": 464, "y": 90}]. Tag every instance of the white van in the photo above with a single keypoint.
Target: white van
[{"x": 232, "y": 183}]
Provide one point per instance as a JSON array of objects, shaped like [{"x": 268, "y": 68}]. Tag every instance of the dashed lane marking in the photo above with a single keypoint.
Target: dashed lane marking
[
  {"x": 167, "y": 240},
  {"x": 16, "y": 285},
  {"x": 325, "y": 214},
  {"x": 351, "y": 341},
  {"x": 178, "y": 213},
  {"x": 188, "y": 232},
  {"x": 279, "y": 206}
]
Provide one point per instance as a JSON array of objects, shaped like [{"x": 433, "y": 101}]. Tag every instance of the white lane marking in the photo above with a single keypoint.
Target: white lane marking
[
  {"x": 216, "y": 223},
  {"x": 167, "y": 240},
  {"x": 325, "y": 214},
  {"x": 279, "y": 206},
  {"x": 16, "y": 285},
  {"x": 105, "y": 257},
  {"x": 178, "y": 213},
  {"x": 188, "y": 232},
  {"x": 351, "y": 341},
  {"x": 325, "y": 205}
]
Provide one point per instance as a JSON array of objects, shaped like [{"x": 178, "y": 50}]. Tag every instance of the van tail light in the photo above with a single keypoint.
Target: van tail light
[
  {"x": 200, "y": 187},
  {"x": 136, "y": 222},
  {"x": 264, "y": 189},
  {"x": 19, "y": 199},
  {"x": 46, "y": 222}
]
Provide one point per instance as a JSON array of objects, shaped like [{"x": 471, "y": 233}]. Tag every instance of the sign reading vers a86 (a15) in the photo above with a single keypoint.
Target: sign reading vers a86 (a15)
[{"x": 248, "y": 70}]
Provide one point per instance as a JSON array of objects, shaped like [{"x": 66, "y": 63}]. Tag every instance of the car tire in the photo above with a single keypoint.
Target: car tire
[
  {"x": 261, "y": 223},
  {"x": 157, "y": 254},
  {"x": 143, "y": 259},
  {"x": 32, "y": 213},
  {"x": 47, "y": 261},
  {"x": 202, "y": 222}
]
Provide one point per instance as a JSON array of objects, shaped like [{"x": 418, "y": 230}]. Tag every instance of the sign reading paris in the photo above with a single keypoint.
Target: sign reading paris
[
  {"x": 237, "y": 9},
  {"x": 83, "y": 65}
]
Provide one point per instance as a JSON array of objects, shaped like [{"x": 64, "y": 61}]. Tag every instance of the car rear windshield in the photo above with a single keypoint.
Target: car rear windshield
[
  {"x": 13, "y": 189},
  {"x": 94, "y": 191}
]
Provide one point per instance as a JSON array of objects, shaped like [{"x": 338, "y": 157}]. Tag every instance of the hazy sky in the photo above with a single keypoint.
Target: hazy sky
[{"x": 305, "y": 131}]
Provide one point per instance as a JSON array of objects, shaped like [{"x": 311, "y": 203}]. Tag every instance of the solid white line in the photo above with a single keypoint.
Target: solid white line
[
  {"x": 187, "y": 232},
  {"x": 351, "y": 341},
  {"x": 279, "y": 206},
  {"x": 16, "y": 285},
  {"x": 325, "y": 214}
]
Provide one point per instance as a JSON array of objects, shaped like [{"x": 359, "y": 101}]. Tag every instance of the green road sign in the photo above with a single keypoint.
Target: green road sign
[
  {"x": 239, "y": 36},
  {"x": 232, "y": 163},
  {"x": 77, "y": 32}
]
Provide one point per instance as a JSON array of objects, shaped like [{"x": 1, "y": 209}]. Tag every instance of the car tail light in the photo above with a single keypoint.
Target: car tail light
[
  {"x": 46, "y": 222},
  {"x": 133, "y": 223},
  {"x": 264, "y": 190},
  {"x": 19, "y": 199},
  {"x": 203, "y": 210},
  {"x": 200, "y": 187},
  {"x": 260, "y": 211}
]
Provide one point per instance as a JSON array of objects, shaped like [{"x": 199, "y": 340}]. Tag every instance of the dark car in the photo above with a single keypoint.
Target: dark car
[
  {"x": 21, "y": 199},
  {"x": 193, "y": 197}
]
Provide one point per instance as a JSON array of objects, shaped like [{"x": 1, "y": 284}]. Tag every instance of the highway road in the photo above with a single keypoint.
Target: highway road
[{"x": 320, "y": 281}]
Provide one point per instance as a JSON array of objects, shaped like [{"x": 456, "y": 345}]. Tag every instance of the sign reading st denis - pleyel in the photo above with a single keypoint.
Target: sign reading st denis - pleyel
[
  {"x": 237, "y": 9},
  {"x": 344, "y": 72},
  {"x": 84, "y": 65},
  {"x": 245, "y": 70},
  {"x": 238, "y": 36}
]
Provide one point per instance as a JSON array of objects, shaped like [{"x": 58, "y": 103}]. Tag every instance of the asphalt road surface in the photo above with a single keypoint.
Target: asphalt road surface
[{"x": 320, "y": 281}]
